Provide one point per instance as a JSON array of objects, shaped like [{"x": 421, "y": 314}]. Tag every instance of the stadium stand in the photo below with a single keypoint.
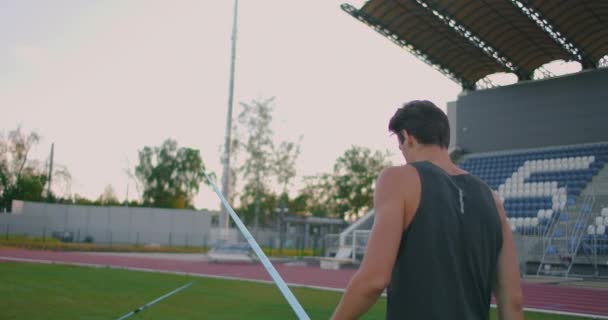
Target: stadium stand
[
  {"x": 541, "y": 142},
  {"x": 538, "y": 185},
  {"x": 549, "y": 199},
  {"x": 596, "y": 242}
]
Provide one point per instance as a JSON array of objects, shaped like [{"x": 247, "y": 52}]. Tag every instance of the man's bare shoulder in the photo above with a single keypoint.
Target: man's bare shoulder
[
  {"x": 497, "y": 199},
  {"x": 499, "y": 206},
  {"x": 496, "y": 196},
  {"x": 403, "y": 176}
]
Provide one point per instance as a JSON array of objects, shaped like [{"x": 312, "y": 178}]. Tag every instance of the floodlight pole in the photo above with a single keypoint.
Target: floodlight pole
[
  {"x": 223, "y": 218},
  {"x": 48, "y": 190}
]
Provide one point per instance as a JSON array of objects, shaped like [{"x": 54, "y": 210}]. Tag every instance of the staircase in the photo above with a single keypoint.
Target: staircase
[
  {"x": 599, "y": 185},
  {"x": 563, "y": 240},
  {"x": 353, "y": 238},
  {"x": 600, "y": 189}
]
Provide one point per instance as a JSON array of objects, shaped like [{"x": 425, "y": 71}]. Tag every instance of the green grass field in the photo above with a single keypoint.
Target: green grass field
[{"x": 36, "y": 291}]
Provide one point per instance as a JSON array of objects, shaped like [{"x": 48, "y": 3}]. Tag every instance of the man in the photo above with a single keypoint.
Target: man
[{"x": 440, "y": 240}]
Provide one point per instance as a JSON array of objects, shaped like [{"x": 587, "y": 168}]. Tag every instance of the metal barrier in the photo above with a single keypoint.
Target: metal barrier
[
  {"x": 594, "y": 251},
  {"x": 532, "y": 244},
  {"x": 332, "y": 244},
  {"x": 359, "y": 243}
]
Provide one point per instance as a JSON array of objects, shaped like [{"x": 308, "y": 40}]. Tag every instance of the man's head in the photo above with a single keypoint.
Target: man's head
[{"x": 420, "y": 124}]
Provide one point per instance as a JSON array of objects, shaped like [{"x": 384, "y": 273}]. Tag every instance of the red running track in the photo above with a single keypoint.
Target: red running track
[{"x": 536, "y": 296}]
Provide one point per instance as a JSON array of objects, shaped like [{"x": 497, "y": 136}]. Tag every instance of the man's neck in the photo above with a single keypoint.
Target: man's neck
[{"x": 438, "y": 156}]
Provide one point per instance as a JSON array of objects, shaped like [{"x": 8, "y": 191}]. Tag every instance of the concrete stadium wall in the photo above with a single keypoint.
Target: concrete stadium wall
[
  {"x": 564, "y": 110},
  {"x": 129, "y": 225},
  {"x": 111, "y": 224},
  {"x": 452, "y": 117}
]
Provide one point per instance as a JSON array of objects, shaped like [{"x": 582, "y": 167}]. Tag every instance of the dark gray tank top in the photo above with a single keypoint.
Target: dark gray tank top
[{"x": 446, "y": 265}]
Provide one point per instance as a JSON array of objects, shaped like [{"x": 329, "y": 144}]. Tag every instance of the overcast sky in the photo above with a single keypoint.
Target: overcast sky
[{"x": 102, "y": 79}]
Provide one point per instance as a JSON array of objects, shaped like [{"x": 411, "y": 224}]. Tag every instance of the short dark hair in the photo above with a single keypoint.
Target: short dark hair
[{"x": 423, "y": 120}]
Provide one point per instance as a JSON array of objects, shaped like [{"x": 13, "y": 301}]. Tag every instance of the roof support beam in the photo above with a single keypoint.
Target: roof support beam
[
  {"x": 543, "y": 22},
  {"x": 458, "y": 26},
  {"x": 420, "y": 54}
]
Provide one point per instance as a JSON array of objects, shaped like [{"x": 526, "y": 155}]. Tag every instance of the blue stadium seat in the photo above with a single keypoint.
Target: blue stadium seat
[{"x": 554, "y": 173}]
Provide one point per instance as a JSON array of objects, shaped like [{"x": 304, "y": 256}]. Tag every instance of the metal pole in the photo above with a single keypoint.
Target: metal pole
[
  {"x": 48, "y": 191},
  {"x": 354, "y": 257},
  {"x": 276, "y": 277},
  {"x": 223, "y": 218}
]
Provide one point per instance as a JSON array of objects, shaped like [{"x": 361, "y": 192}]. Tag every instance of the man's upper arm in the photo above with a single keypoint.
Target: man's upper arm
[
  {"x": 508, "y": 287},
  {"x": 385, "y": 238}
]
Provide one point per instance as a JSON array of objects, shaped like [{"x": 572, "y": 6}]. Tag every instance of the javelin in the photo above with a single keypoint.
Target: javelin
[
  {"x": 149, "y": 304},
  {"x": 291, "y": 299}
]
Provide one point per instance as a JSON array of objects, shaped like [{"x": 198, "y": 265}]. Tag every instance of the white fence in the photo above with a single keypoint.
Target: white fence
[{"x": 111, "y": 224}]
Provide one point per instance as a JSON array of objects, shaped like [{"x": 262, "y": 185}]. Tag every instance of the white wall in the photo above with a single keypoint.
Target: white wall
[{"x": 111, "y": 224}]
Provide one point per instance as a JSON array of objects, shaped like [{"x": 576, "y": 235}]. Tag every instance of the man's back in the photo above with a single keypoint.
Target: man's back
[
  {"x": 447, "y": 260},
  {"x": 440, "y": 241}
]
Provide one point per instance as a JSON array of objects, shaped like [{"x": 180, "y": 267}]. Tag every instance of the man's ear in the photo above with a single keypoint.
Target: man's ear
[{"x": 409, "y": 139}]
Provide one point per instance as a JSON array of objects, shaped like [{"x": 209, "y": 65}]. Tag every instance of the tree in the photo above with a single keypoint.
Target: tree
[
  {"x": 62, "y": 181},
  {"x": 263, "y": 161},
  {"x": 29, "y": 187},
  {"x": 170, "y": 176},
  {"x": 256, "y": 169},
  {"x": 256, "y": 202},
  {"x": 108, "y": 197},
  {"x": 354, "y": 175},
  {"x": 20, "y": 177},
  {"x": 284, "y": 167},
  {"x": 285, "y": 162},
  {"x": 349, "y": 191},
  {"x": 83, "y": 201},
  {"x": 318, "y": 197}
]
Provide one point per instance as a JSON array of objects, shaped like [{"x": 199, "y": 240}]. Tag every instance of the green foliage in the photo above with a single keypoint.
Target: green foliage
[
  {"x": 108, "y": 197},
  {"x": 78, "y": 200},
  {"x": 170, "y": 176},
  {"x": 349, "y": 190},
  {"x": 299, "y": 205},
  {"x": 284, "y": 164},
  {"x": 264, "y": 202},
  {"x": 103, "y": 200},
  {"x": 346, "y": 192},
  {"x": 20, "y": 177},
  {"x": 29, "y": 187},
  {"x": 262, "y": 162},
  {"x": 256, "y": 169},
  {"x": 354, "y": 175},
  {"x": 319, "y": 196}
]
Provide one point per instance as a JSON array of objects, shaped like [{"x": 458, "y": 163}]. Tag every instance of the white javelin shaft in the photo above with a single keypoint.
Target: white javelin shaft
[
  {"x": 293, "y": 302},
  {"x": 149, "y": 304}
]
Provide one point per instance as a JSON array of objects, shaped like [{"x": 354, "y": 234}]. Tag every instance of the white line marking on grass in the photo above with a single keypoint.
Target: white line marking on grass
[{"x": 295, "y": 285}]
